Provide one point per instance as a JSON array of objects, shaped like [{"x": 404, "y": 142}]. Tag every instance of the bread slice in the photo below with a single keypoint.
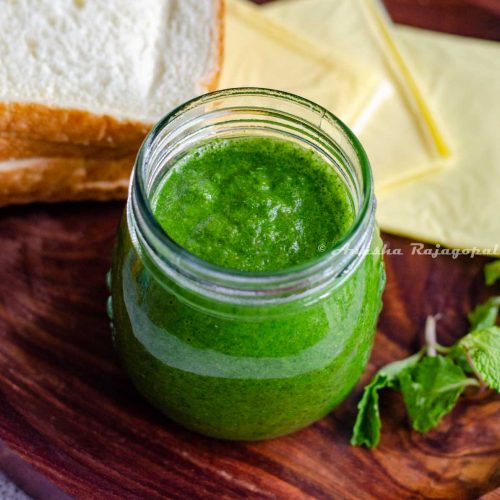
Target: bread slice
[
  {"x": 63, "y": 179},
  {"x": 101, "y": 73},
  {"x": 13, "y": 147}
]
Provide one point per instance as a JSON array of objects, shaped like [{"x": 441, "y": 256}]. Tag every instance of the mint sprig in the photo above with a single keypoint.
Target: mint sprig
[{"x": 432, "y": 380}]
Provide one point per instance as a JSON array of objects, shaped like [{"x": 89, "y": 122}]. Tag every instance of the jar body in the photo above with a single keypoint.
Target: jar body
[{"x": 243, "y": 376}]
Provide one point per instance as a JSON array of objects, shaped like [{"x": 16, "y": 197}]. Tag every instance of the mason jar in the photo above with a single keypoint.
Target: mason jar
[{"x": 241, "y": 355}]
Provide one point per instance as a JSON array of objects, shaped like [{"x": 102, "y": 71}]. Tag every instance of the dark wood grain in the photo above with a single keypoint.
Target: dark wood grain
[
  {"x": 476, "y": 18},
  {"x": 71, "y": 422}
]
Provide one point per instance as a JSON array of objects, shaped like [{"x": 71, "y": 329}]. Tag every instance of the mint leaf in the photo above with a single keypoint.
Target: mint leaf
[
  {"x": 485, "y": 315},
  {"x": 492, "y": 272},
  {"x": 458, "y": 355},
  {"x": 483, "y": 348},
  {"x": 430, "y": 390},
  {"x": 367, "y": 426},
  {"x": 366, "y": 429}
]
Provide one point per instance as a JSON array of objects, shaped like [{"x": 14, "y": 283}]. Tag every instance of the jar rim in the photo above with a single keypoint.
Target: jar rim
[{"x": 251, "y": 281}]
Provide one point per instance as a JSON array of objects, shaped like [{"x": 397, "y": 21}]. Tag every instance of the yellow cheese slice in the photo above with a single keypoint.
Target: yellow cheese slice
[
  {"x": 460, "y": 206},
  {"x": 258, "y": 52},
  {"x": 399, "y": 131}
]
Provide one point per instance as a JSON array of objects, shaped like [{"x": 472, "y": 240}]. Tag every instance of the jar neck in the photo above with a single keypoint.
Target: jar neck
[{"x": 237, "y": 113}]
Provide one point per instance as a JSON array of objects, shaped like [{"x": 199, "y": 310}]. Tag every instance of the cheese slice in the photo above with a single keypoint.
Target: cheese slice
[
  {"x": 459, "y": 207},
  {"x": 260, "y": 52},
  {"x": 403, "y": 138}
]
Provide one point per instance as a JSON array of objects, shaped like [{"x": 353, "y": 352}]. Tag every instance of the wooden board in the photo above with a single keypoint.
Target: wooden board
[{"x": 71, "y": 422}]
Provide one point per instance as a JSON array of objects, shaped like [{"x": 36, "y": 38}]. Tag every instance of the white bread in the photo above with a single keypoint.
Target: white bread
[
  {"x": 101, "y": 73},
  {"x": 63, "y": 179}
]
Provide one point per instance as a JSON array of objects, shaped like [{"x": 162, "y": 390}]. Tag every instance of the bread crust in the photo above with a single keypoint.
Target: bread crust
[
  {"x": 65, "y": 179},
  {"x": 13, "y": 147},
  {"x": 48, "y": 123}
]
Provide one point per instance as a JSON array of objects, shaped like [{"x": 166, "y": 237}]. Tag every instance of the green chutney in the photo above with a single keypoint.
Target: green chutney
[
  {"x": 250, "y": 204},
  {"x": 254, "y": 204}
]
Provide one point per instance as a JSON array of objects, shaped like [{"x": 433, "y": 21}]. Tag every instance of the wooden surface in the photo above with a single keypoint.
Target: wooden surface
[
  {"x": 477, "y": 18},
  {"x": 71, "y": 422}
]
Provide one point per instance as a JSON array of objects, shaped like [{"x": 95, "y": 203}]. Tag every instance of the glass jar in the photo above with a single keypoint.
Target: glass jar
[{"x": 240, "y": 355}]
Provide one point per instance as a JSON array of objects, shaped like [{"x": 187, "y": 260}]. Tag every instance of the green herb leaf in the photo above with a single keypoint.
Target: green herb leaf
[
  {"x": 492, "y": 272},
  {"x": 430, "y": 390},
  {"x": 458, "y": 355},
  {"x": 485, "y": 315},
  {"x": 482, "y": 347},
  {"x": 367, "y": 426}
]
